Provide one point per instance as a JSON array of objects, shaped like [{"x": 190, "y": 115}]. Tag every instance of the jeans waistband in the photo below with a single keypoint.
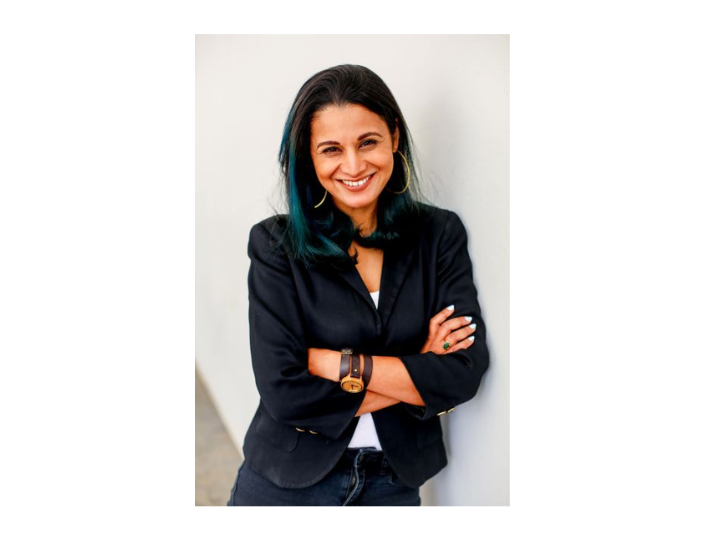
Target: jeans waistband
[{"x": 366, "y": 457}]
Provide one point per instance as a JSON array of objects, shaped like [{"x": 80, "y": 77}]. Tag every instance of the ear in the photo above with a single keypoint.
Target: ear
[{"x": 395, "y": 138}]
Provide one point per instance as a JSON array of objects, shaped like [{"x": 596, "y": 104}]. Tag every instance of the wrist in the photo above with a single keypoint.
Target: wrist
[
  {"x": 323, "y": 363},
  {"x": 350, "y": 372},
  {"x": 355, "y": 370},
  {"x": 333, "y": 365}
]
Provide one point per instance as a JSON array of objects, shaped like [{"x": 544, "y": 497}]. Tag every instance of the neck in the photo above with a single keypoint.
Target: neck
[
  {"x": 365, "y": 218},
  {"x": 367, "y": 224}
]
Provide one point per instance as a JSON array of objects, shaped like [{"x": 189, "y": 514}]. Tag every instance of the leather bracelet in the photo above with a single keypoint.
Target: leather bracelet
[
  {"x": 352, "y": 380},
  {"x": 345, "y": 355},
  {"x": 356, "y": 371},
  {"x": 367, "y": 373}
]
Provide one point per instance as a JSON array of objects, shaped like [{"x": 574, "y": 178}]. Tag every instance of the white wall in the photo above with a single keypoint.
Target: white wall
[{"x": 454, "y": 92}]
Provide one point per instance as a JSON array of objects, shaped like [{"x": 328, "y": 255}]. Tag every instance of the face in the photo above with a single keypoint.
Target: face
[{"x": 352, "y": 151}]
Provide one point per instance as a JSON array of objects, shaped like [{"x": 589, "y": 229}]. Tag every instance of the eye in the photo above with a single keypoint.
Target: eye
[
  {"x": 330, "y": 150},
  {"x": 368, "y": 143}
]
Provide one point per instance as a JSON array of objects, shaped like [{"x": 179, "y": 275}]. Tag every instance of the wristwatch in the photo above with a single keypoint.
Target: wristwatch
[
  {"x": 350, "y": 375},
  {"x": 367, "y": 373}
]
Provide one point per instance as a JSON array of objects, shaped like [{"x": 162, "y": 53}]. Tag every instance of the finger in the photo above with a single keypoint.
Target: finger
[
  {"x": 451, "y": 341},
  {"x": 453, "y": 324},
  {"x": 441, "y": 316},
  {"x": 464, "y": 343},
  {"x": 463, "y": 332}
]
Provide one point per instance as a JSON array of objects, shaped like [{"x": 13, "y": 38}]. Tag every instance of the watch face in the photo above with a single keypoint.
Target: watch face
[{"x": 352, "y": 386}]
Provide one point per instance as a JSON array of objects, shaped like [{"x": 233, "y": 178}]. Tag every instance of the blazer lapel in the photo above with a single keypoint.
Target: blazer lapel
[
  {"x": 354, "y": 279},
  {"x": 397, "y": 261},
  {"x": 395, "y": 266}
]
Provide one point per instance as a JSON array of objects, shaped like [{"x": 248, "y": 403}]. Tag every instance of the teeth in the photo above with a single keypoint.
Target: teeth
[{"x": 356, "y": 184}]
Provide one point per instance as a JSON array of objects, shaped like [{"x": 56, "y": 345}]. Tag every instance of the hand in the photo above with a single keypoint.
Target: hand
[{"x": 457, "y": 331}]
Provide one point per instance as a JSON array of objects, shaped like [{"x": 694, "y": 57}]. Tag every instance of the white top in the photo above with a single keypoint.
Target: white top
[
  {"x": 365, "y": 432},
  {"x": 375, "y": 297}
]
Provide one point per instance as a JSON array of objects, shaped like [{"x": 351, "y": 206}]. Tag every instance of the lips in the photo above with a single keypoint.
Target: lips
[{"x": 357, "y": 185}]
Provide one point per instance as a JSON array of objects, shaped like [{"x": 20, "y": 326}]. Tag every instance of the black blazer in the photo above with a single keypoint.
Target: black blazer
[{"x": 303, "y": 423}]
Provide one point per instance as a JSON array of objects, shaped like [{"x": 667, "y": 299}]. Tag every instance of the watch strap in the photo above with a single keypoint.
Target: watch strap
[
  {"x": 345, "y": 356},
  {"x": 367, "y": 373},
  {"x": 356, "y": 372}
]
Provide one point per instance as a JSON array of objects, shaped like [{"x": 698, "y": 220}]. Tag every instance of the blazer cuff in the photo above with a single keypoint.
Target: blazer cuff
[
  {"x": 428, "y": 382},
  {"x": 417, "y": 411}
]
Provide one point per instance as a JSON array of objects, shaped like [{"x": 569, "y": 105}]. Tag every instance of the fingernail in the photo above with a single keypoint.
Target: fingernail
[
  {"x": 468, "y": 318},
  {"x": 473, "y": 326},
  {"x": 451, "y": 307},
  {"x": 471, "y": 339}
]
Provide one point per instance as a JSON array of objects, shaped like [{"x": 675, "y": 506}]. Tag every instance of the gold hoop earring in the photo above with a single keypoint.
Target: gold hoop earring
[
  {"x": 408, "y": 176},
  {"x": 323, "y": 199}
]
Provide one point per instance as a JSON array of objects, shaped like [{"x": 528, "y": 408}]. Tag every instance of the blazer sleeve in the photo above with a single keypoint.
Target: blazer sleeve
[
  {"x": 447, "y": 380},
  {"x": 279, "y": 349}
]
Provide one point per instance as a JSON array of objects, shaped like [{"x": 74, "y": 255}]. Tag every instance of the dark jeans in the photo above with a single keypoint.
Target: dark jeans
[{"x": 362, "y": 477}]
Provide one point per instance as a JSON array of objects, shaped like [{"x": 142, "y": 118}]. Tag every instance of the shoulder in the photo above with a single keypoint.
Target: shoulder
[
  {"x": 267, "y": 236},
  {"x": 274, "y": 225},
  {"x": 438, "y": 222}
]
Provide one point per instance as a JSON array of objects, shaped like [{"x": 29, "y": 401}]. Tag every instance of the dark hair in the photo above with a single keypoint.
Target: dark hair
[{"x": 323, "y": 235}]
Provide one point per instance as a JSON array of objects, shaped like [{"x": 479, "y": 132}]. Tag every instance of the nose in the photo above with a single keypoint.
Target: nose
[{"x": 353, "y": 165}]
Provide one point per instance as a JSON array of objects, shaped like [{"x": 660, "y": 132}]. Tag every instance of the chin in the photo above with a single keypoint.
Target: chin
[{"x": 357, "y": 203}]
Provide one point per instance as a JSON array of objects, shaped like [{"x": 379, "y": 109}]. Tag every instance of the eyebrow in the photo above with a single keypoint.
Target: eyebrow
[{"x": 363, "y": 136}]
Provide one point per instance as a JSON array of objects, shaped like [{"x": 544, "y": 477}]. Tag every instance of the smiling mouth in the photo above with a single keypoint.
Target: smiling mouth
[{"x": 358, "y": 183}]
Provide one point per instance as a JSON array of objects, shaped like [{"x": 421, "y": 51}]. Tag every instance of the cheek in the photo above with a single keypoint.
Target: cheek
[
  {"x": 386, "y": 163},
  {"x": 323, "y": 170}
]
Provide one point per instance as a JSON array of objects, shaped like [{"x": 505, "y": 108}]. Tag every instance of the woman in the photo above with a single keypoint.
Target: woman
[{"x": 364, "y": 321}]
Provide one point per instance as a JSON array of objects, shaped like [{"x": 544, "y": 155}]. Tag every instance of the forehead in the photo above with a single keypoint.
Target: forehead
[{"x": 345, "y": 123}]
